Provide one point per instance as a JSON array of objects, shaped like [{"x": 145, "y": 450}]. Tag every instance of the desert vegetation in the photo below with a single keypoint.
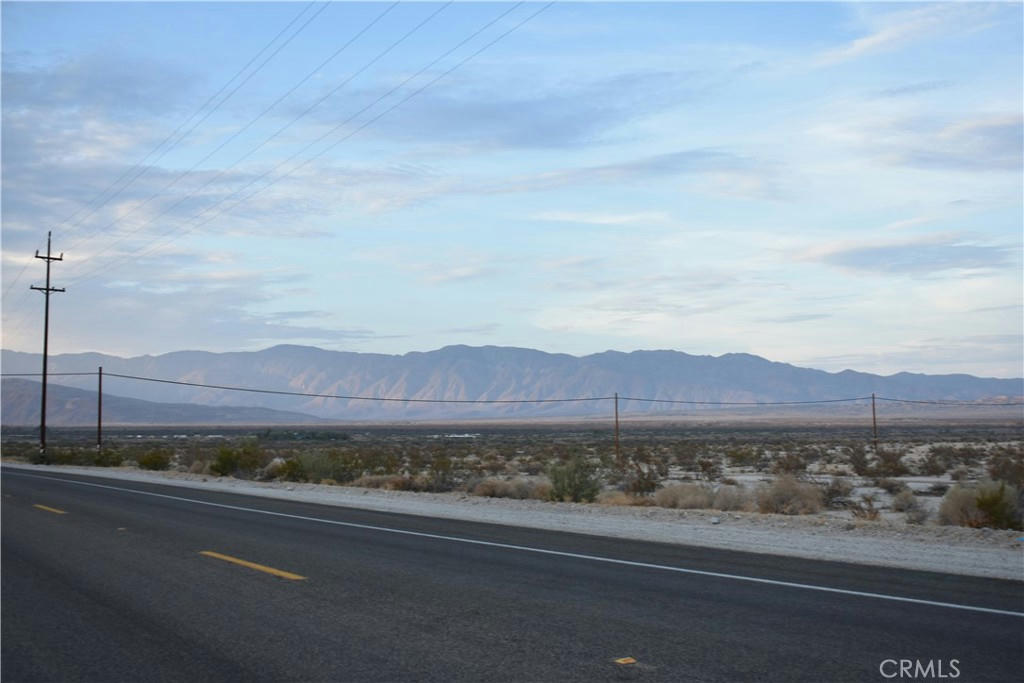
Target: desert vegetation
[{"x": 969, "y": 475}]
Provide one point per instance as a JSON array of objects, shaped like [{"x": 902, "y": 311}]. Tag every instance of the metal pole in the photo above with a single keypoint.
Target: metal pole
[
  {"x": 874, "y": 423},
  {"x": 99, "y": 411},
  {"x": 47, "y": 290}
]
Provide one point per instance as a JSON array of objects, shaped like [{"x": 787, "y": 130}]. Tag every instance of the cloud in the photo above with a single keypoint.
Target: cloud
[
  {"x": 99, "y": 82},
  {"x": 796, "y": 318},
  {"x": 688, "y": 161},
  {"x": 976, "y": 144},
  {"x": 485, "y": 329},
  {"x": 982, "y": 355},
  {"x": 536, "y": 114},
  {"x": 916, "y": 257},
  {"x": 459, "y": 273},
  {"x": 989, "y": 144},
  {"x": 913, "y": 88},
  {"x": 596, "y": 218},
  {"x": 894, "y": 29}
]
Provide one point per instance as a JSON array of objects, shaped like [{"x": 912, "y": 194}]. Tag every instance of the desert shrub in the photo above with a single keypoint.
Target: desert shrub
[
  {"x": 788, "y": 496},
  {"x": 998, "y": 504},
  {"x": 960, "y": 474},
  {"x": 857, "y": 456},
  {"x": 710, "y": 468},
  {"x": 904, "y": 500},
  {"x": 934, "y": 464},
  {"x": 890, "y": 463},
  {"x": 1007, "y": 467},
  {"x": 199, "y": 467},
  {"x": 890, "y": 486},
  {"x": 865, "y": 508},
  {"x": 226, "y": 462},
  {"x": 156, "y": 459},
  {"x": 731, "y": 498},
  {"x": 917, "y": 515},
  {"x": 685, "y": 497},
  {"x": 640, "y": 480},
  {"x": 990, "y": 504},
  {"x": 520, "y": 489},
  {"x": 574, "y": 480},
  {"x": 243, "y": 459},
  {"x": 339, "y": 465},
  {"x": 835, "y": 492},
  {"x": 292, "y": 470},
  {"x": 742, "y": 456},
  {"x": 790, "y": 463},
  {"x": 108, "y": 457}
]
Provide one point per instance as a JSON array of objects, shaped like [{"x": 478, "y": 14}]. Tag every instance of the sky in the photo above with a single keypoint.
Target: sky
[{"x": 830, "y": 185}]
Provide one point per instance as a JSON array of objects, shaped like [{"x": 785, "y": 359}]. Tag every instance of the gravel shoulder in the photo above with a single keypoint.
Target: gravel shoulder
[{"x": 955, "y": 550}]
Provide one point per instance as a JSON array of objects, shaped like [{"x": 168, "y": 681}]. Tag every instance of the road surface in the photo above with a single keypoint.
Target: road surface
[{"x": 118, "y": 581}]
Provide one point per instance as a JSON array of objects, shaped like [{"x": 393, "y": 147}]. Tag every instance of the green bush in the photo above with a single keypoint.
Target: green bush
[
  {"x": 154, "y": 460},
  {"x": 575, "y": 480},
  {"x": 990, "y": 504},
  {"x": 292, "y": 470},
  {"x": 107, "y": 457},
  {"x": 243, "y": 459}
]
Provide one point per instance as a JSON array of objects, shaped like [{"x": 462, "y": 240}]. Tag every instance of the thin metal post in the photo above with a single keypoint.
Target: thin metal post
[
  {"x": 47, "y": 290},
  {"x": 99, "y": 411},
  {"x": 874, "y": 423}
]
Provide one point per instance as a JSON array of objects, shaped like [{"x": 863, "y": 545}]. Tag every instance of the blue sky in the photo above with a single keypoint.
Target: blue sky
[{"x": 830, "y": 185}]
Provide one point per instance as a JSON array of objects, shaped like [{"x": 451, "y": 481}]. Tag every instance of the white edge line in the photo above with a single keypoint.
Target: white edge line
[{"x": 543, "y": 551}]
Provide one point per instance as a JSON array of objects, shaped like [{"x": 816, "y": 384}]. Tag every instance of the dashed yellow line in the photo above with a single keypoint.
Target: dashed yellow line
[
  {"x": 253, "y": 565},
  {"x": 50, "y": 509}
]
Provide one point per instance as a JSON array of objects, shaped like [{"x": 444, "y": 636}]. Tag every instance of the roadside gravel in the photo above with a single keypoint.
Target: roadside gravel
[{"x": 888, "y": 542}]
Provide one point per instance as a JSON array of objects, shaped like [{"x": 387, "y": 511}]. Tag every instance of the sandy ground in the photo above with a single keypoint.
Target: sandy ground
[{"x": 888, "y": 542}]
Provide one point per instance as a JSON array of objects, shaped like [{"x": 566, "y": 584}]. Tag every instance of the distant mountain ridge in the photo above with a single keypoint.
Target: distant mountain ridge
[
  {"x": 489, "y": 373},
  {"x": 66, "y": 406}
]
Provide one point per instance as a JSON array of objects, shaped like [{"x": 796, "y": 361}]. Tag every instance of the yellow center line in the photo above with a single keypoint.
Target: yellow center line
[
  {"x": 50, "y": 509},
  {"x": 253, "y": 565}
]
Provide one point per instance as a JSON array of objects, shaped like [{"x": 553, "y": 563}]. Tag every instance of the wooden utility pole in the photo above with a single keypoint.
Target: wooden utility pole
[
  {"x": 99, "y": 411},
  {"x": 47, "y": 291},
  {"x": 874, "y": 423},
  {"x": 618, "y": 455}
]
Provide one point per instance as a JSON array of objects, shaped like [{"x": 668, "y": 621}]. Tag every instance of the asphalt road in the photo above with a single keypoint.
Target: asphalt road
[{"x": 141, "y": 582}]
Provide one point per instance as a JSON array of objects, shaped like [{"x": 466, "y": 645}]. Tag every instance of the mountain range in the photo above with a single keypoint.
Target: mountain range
[
  {"x": 464, "y": 373},
  {"x": 66, "y": 406}
]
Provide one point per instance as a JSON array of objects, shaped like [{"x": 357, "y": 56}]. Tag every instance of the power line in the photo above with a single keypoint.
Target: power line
[
  {"x": 195, "y": 125},
  {"x": 948, "y": 403},
  {"x": 139, "y": 165},
  {"x": 267, "y": 140},
  {"x": 358, "y": 398},
  {"x": 51, "y": 374},
  {"x": 743, "y": 403},
  {"x": 160, "y": 241},
  {"x": 182, "y": 125},
  {"x": 254, "y": 390}
]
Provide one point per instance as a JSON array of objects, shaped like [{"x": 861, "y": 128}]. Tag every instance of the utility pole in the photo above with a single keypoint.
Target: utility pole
[
  {"x": 47, "y": 291},
  {"x": 618, "y": 452},
  {"x": 874, "y": 424},
  {"x": 99, "y": 411}
]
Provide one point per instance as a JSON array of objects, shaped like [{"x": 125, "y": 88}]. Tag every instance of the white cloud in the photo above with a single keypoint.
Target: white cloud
[
  {"x": 893, "y": 29},
  {"x": 598, "y": 218}
]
